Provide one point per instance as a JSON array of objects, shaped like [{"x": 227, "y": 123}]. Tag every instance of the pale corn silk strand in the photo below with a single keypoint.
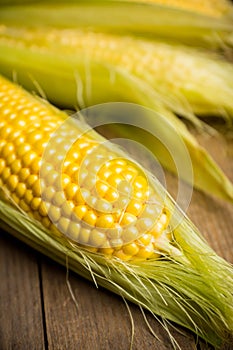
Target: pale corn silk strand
[{"x": 157, "y": 269}]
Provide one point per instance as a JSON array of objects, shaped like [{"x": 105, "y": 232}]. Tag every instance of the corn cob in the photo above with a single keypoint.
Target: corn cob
[
  {"x": 111, "y": 62},
  {"x": 209, "y": 24},
  {"x": 109, "y": 225},
  {"x": 215, "y": 8},
  {"x": 184, "y": 73},
  {"x": 165, "y": 268}
]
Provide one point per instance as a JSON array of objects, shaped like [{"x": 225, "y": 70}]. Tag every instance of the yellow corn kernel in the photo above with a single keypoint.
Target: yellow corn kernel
[
  {"x": 103, "y": 206},
  {"x": 15, "y": 166},
  {"x": 101, "y": 188},
  {"x": 105, "y": 221},
  {"x": 3, "y": 165},
  {"x": 67, "y": 209},
  {"x": 84, "y": 235},
  {"x": 22, "y": 149},
  {"x": 57, "y": 198},
  {"x": 23, "y": 174},
  {"x": 117, "y": 243},
  {"x": 31, "y": 180},
  {"x": 145, "y": 239},
  {"x": 43, "y": 210},
  {"x": 15, "y": 198},
  {"x": 104, "y": 173},
  {"x": 36, "y": 188},
  {"x": 128, "y": 219},
  {"x": 12, "y": 182},
  {"x": 28, "y": 196},
  {"x": 5, "y": 174},
  {"x": 35, "y": 203},
  {"x": 135, "y": 207},
  {"x": 54, "y": 213},
  {"x": 23, "y": 205},
  {"x": 20, "y": 189},
  {"x": 46, "y": 222},
  {"x": 7, "y": 150},
  {"x": 145, "y": 224},
  {"x": 90, "y": 218},
  {"x": 131, "y": 249},
  {"x": 71, "y": 190},
  {"x": 130, "y": 234},
  {"x": 106, "y": 251},
  {"x": 79, "y": 212},
  {"x": 97, "y": 238},
  {"x": 63, "y": 224},
  {"x": 121, "y": 255},
  {"x": 116, "y": 232},
  {"x": 111, "y": 195},
  {"x": 10, "y": 159},
  {"x": 28, "y": 158},
  {"x": 74, "y": 230},
  {"x": 146, "y": 252}
]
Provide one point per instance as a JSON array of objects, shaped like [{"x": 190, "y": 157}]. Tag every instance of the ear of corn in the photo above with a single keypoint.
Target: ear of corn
[
  {"x": 214, "y": 8},
  {"x": 209, "y": 24},
  {"x": 167, "y": 268},
  {"x": 199, "y": 79},
  {"x": 113, "y": 74}
]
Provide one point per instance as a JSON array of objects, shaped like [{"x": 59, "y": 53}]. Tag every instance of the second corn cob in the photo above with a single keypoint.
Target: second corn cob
[
  {"x": 186, "y": 80},
  {"x": 97, "y": 68},
  {"x": 205, "y": 23}
]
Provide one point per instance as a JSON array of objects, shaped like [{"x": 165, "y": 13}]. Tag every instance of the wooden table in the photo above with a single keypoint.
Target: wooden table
[{"x": 37, "y": 311}]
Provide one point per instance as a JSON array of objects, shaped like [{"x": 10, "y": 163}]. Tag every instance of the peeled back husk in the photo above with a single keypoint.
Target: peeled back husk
[{"x": 189, "y": 284}]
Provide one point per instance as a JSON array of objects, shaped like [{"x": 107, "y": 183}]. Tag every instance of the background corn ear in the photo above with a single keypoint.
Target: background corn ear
[
  {"x": 209, "y": 24},
  {"x": 187, "y": 283},
  {"x": 92, "y": 76},
  {"x": 215, "y": 8},
  {"x": 189, "y": 80}
]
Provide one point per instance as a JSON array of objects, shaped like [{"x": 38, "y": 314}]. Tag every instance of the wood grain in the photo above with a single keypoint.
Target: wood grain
[
  {"x": 21, "y": 322},
  {"x": 101, "y": 320}
]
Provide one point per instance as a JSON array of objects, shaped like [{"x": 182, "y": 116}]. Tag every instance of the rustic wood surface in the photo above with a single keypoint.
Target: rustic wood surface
[{"x": 37, "y": 311}]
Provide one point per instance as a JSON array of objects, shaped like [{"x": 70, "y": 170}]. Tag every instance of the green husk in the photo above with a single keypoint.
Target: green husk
[
  {"x": 192, "y": 27},
  {"x": 190, "y": 285},
  {"x": 37, "y": 59}
]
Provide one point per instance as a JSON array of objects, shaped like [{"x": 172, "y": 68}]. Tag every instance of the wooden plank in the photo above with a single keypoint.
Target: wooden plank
[
  {"x": 21, "y": 326},
  {"x": 101, "y": 321}
]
